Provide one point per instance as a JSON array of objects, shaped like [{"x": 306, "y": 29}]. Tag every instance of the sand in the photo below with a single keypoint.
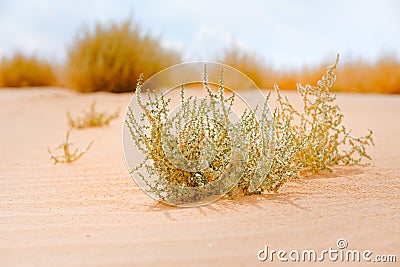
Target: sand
[{"x": 91, "y": 213}]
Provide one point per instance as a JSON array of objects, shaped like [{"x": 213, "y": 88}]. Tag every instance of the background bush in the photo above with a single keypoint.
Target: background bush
[
  {"x": 250, "y": 64},
  {"x": 111, "y": 58},
  {"x": 381, "y": 76},
  {"x": 20, "y": 70}
]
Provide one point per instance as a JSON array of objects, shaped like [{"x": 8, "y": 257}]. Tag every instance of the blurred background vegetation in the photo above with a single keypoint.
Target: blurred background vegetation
[
  {"x": 20, "y": 70},
  {"x": 111, "y": 56}
]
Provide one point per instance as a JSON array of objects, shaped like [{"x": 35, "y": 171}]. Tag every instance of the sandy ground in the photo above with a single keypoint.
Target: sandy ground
[{"x": 91, "y": 213}]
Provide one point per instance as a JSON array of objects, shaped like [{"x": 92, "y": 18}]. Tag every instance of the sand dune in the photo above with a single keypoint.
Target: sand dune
[{"x": 91, "y": 213}]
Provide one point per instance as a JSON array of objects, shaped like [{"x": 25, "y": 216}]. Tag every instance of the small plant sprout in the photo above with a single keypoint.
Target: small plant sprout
[
  {"x": 68, "y": 156},
  {"x": 91, "y": 118}
]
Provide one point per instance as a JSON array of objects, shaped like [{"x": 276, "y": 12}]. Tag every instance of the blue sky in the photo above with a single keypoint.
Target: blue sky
[{"x": 284, "y": 33}]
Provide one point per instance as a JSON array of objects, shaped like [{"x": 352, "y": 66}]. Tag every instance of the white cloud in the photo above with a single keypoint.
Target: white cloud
[{"x": 207, "y": 41}]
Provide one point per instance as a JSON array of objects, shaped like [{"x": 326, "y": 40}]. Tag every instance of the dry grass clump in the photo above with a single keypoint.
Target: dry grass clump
[
  {"x": 92, "y": 118},
  {"x": 67, "y": 156},
  {"x": 89, "y": 118},
  {"x": 21, "y": 71},
  {"x": 110, "y": 57},
  {"x": 306, "y": 141}
]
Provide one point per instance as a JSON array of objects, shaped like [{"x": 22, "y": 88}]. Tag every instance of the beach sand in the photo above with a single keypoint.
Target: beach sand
[{"x": 91, "y": 213}]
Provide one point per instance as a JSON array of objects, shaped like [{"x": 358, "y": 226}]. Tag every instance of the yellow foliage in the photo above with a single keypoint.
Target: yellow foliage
[
  {"x": 22, "y": 71},
  {"x": 112, "y": 56},
  {"x": 382, "y": 76}
]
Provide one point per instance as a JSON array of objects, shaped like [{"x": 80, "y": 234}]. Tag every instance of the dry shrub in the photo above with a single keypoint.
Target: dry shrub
[
  {"x": 250, "y": 64},
  {"x": 20, "y": 70},
  {"x": 382, "y": 76},
  {"x": 288, "y": 80},
  {"x": 112, "y": 56},
  {"x": 265, "y": 76},
  {"x": 307, "y": 140},
  {"x": 312, "y": 138}
]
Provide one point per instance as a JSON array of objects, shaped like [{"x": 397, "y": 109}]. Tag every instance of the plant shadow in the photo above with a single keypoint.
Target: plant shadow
[
  {"x": 338, "y": 171},
  {"x": 293, "y": 197}
]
